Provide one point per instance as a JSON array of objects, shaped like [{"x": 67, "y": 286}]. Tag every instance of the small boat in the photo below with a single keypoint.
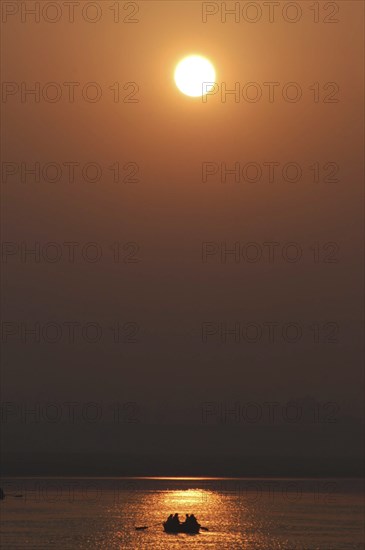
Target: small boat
[{"x": 182, "y": 528}]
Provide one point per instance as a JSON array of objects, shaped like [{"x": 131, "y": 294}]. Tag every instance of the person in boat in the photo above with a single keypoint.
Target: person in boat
[
  {"x": 191, "y": 521},
  {"x": 170, "y": 520},
  {"x": 175, "y": 520}
]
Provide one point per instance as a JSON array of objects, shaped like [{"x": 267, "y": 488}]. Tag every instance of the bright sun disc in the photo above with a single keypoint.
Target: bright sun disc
[{"x": 194, "y": 76}]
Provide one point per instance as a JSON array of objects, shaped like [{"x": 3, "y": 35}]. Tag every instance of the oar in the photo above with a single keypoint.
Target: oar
[
  {"x": 147, "y": 526},
  {"x": 204, "y": 528}
]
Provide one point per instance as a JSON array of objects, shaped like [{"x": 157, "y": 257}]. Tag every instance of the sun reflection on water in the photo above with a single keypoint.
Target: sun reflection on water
[{"x": 188, "y": 499}]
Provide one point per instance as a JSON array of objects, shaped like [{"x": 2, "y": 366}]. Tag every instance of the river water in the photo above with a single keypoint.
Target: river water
[{"x": 260, "y": 514}]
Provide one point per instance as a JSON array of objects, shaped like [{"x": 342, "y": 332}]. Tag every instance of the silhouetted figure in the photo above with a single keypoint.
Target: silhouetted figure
[
  {"x": 170, "y": 521},
  {"x": 2, "y": 494},
  {"x": 193, "y": 521},
  {"x": 175, "y": 520}
]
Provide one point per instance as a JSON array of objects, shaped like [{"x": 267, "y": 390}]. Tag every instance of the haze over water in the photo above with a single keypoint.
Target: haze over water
[{"x": 252, "y": 514}]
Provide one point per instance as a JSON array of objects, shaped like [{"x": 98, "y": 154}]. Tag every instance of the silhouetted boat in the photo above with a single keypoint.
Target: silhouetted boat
[
  {"x": 3, "y": 495},
  {"x": 182, "y": 528}
]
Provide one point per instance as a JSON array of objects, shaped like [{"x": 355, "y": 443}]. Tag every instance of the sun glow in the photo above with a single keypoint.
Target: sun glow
[
  {"x": 188, "y": 499},
  {"x": 194, "y": 76}
]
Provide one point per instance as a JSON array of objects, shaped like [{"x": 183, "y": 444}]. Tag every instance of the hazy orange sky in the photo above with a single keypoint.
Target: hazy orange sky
[{"x": 170, "y": 212}]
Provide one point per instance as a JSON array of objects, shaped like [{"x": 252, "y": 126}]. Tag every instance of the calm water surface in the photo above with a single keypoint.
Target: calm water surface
[{"x": 260, "y": 514}]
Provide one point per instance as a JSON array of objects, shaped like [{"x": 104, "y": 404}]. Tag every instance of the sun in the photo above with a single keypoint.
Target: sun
[{"x": 194, "y": 75}]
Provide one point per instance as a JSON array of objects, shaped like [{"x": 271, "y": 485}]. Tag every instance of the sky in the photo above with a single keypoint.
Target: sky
[{"x": 190, "y": 255}]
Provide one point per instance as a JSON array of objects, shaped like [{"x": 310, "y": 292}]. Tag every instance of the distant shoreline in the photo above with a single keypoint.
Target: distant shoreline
[{"x": 182, "y": 478}]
